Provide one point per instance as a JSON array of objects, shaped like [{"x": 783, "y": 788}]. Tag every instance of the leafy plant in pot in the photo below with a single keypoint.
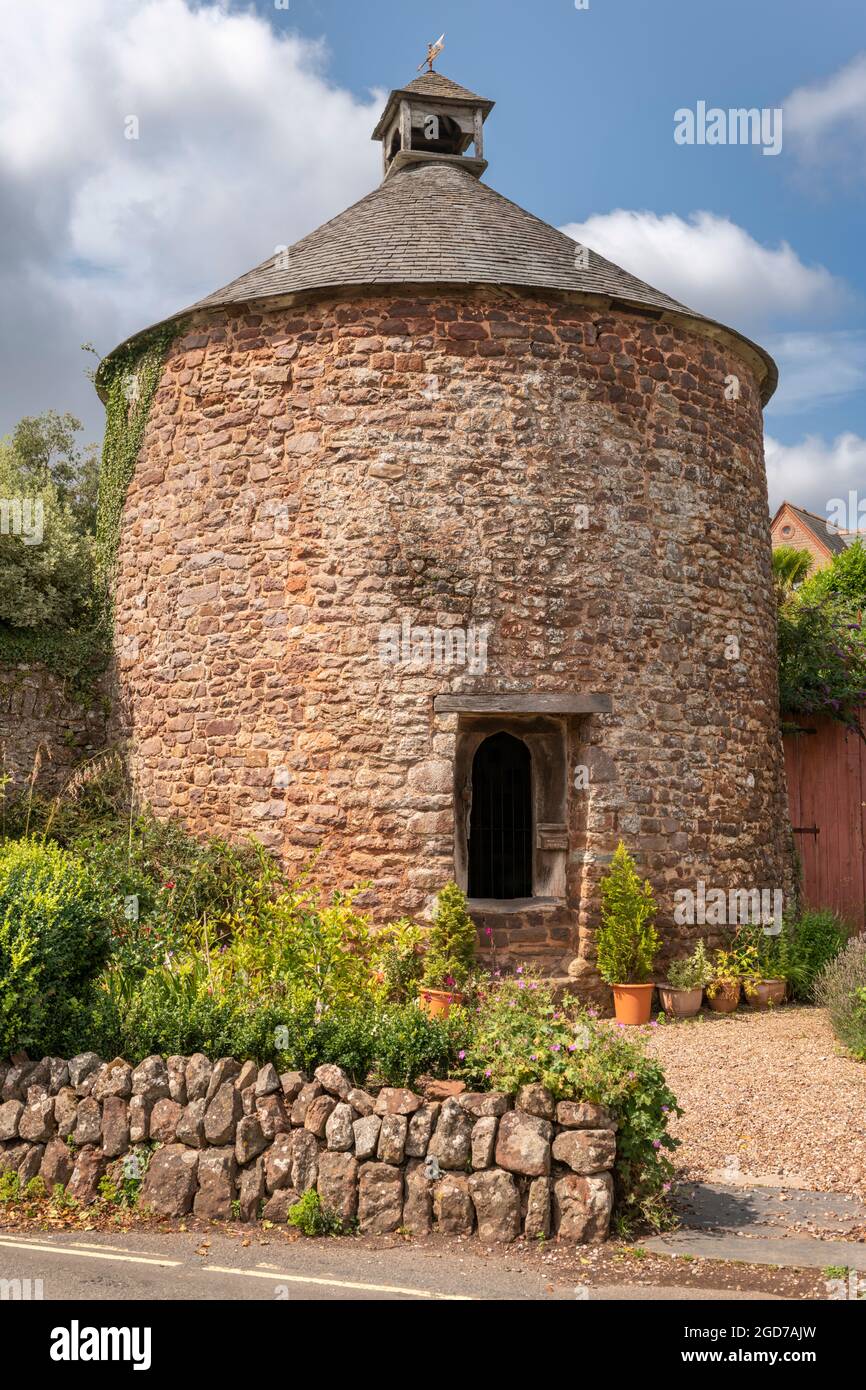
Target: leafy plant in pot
[
  {"x": 765, "y": 985},
  {"x": 627, "y": 941},
  {"x": 683, "y": 994},
  {"x": 730, "y": 968},
  {"x": 450, "y": 953}
]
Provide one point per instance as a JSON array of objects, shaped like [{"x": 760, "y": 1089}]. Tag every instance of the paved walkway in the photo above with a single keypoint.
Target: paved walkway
[{"x": 767, "y": 1225}]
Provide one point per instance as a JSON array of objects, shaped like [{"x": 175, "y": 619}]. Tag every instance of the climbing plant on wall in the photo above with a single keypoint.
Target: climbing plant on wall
[{"x": 127, "y": 382}]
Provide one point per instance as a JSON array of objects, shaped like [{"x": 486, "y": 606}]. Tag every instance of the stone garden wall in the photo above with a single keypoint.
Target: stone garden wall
[
  {"x": 39, "y": 712},
  {"x": 238, "y": 1141}
]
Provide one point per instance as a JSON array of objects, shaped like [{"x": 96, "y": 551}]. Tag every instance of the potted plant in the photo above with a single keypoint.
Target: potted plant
[
  {"x": 450, "y": 954},
  {"x": 627, "y": 941},
  {"x": 766, "y": 986},
  {"x": 729, "y": 969},
  {"x": 683, "y": 994}
]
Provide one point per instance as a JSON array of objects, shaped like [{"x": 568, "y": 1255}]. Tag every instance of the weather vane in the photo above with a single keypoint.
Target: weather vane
[{"x": 433, "y": 51}]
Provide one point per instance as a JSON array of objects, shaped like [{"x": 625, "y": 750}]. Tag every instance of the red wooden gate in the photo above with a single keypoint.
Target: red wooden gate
[{"x": 826, "y": 770}]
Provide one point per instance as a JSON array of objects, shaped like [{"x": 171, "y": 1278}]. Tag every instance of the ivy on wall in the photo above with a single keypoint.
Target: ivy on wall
[{"x": 127, "y": 381}]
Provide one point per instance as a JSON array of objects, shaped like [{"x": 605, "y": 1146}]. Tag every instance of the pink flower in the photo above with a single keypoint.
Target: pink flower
[
  {"x": 554, "y": 1047},
  {"x": 521, "y": 984},
  {"x": 657, "y": 1143},
  {"x": 666, "y": 1187},
  {"x": 461, "y": 1054},
  {"x": 488, "y": 1072},
  {"x": 488, "y": 931},
  {"x": 519, "y": 970},
  {"x": 572, "y": 1047}
]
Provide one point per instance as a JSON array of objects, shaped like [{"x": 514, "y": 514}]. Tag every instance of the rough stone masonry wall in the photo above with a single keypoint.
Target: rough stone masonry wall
[
  {"x": 315, "y": 472},
  {"x": 38, "y": 712},
  {"x": 228, "y": 1134}
]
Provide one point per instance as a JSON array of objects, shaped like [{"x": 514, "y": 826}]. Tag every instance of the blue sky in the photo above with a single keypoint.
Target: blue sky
[{"x": 255, "y": 124}]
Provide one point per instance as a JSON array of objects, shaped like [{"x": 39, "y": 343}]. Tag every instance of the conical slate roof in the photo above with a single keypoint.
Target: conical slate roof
[{"x": 433, "y": 222}]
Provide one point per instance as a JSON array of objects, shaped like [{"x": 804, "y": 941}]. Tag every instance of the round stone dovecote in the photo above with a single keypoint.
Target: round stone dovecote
[{"x": 397, "y": 498}]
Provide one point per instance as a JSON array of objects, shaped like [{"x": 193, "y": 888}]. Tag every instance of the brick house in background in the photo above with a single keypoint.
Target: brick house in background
[{"x": 804, "y": 530}]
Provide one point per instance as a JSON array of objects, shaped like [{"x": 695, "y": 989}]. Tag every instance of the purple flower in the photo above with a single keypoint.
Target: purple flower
[
  {"x": 461, "y": 1054},
  {"x": 572, "y": 1047},
  {"x": 488, "y": 1072},
  {"x": 519, "y": 970},
  {"x": 657, "y": 1143},
  {"x": 521, "y": 984},
  {"x": 554, "y": 1047}
]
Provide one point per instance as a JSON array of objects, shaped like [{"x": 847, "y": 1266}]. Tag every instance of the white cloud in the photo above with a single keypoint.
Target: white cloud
[
  {"x": 244, "y": 145},
  {"x": 712, "y": 265},
  {"x": 827, "y": 120},
  {"x": 816, "y": 369},
  {"x": 812, "y": 472}
]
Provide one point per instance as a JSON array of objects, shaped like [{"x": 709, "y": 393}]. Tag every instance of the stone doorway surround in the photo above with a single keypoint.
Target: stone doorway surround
[{"x": 540, "y": 720}]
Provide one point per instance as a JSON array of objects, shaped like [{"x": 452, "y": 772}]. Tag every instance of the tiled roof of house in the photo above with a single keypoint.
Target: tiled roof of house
[{"x": 818, "y": 525}]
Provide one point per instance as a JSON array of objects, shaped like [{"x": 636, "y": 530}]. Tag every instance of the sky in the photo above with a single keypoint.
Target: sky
[{"x": 252, "y": 122}]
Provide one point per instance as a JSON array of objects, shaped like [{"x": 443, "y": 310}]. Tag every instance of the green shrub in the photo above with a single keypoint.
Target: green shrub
[
  {"x": 523, "y": 1035},
  {"x": 807, "y": 944},
  {"x": 46, "y": 559},
  {"x": 54, "y": 937},
  {"x": 312, "y": 1218},
  {"x": 841, "y": 990},
  {"x": 398, "y": 960},
  {"x": 822, "y": 656},
  {"x": 175, "y": 1009},
  {"x": 408, "y": 1044},
  {"x": 451, "y": 942},
  {"x": 627, "y": 942}
]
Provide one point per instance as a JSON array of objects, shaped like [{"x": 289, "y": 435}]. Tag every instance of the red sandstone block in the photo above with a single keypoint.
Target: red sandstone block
[
  {"x": 467, "y": 330},
  {"x": 508, "y": 329}
]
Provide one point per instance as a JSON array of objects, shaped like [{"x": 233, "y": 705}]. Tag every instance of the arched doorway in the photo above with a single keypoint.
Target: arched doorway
[{"x": 500, "y": 831}]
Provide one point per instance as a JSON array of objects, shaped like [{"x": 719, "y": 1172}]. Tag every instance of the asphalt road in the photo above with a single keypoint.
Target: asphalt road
[{"x": 142, "y": 1266}]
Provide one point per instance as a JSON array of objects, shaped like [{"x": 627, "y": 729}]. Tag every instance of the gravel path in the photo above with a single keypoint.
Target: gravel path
[{"x": 767, "y": 1096}]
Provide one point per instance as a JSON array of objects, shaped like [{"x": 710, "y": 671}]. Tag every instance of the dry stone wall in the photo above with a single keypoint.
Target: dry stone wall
[
  {"x": 39, "y": 715},
  {"x": 231, "y": 1139}
]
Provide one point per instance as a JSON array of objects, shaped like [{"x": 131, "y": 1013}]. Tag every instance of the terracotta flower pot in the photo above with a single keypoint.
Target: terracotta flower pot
[
  {"x": 437, "y": 1002},
  {"x": 633, "y": 1003},
  {"x": 681, "y": 1003},
  {"x": 765, "y": 994},
  {"x": 724, "y": 996}
]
